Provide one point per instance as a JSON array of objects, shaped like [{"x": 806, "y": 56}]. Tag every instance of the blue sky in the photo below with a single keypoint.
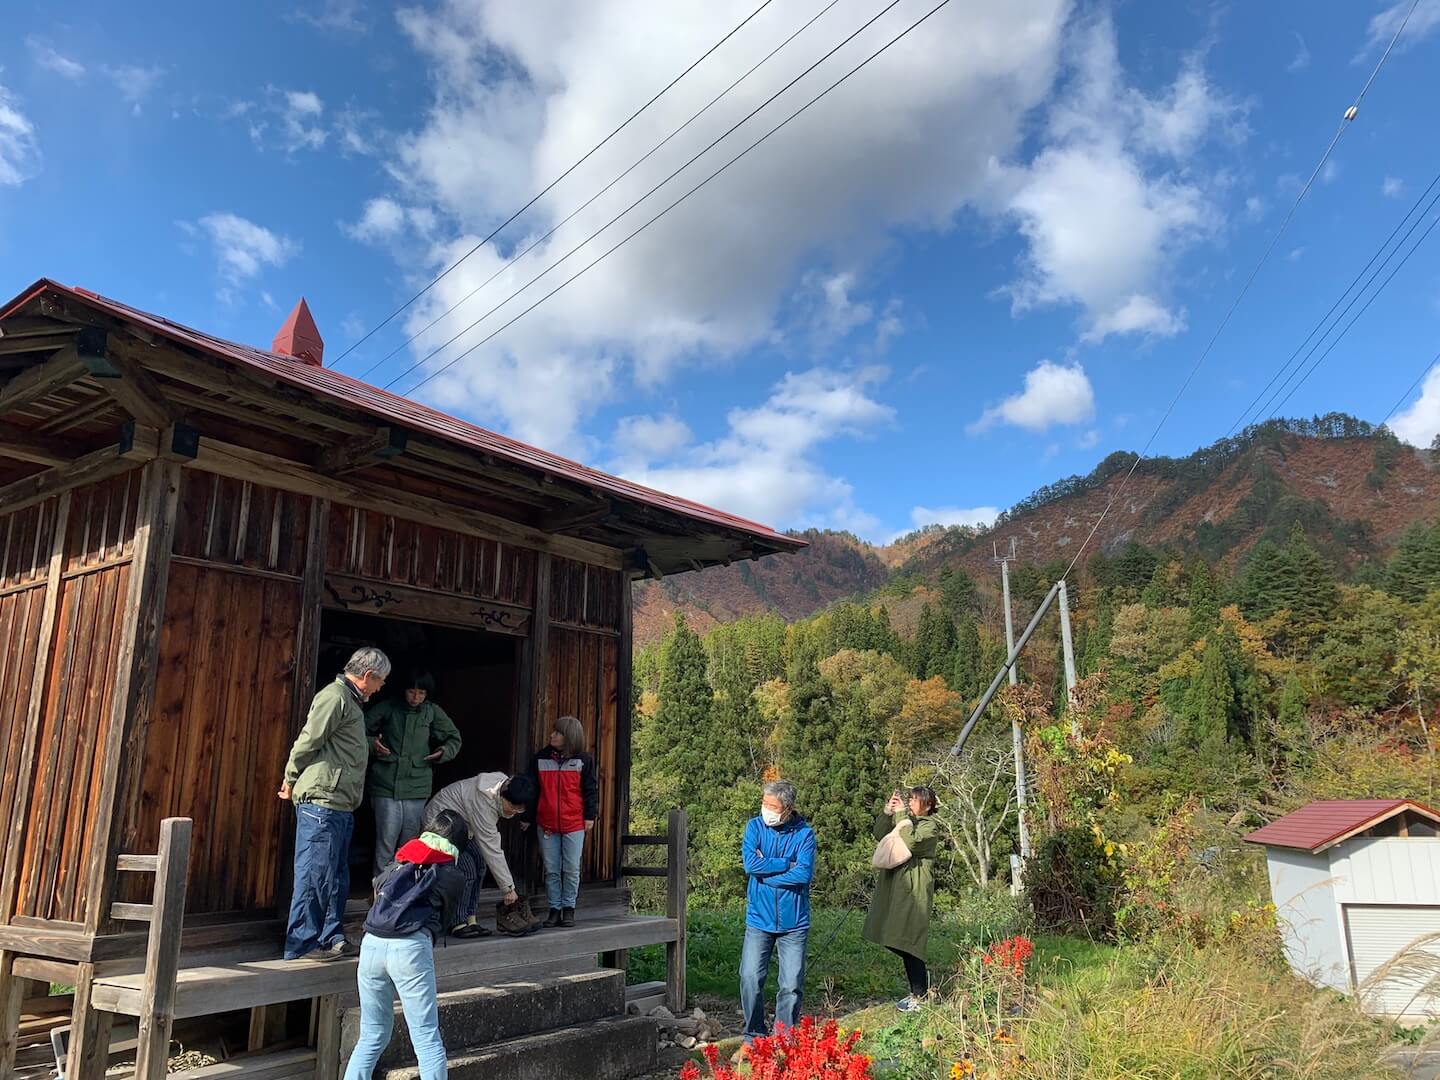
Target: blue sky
[{"x": 984, "y": 262}]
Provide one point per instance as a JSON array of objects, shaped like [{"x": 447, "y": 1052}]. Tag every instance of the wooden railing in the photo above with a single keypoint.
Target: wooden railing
[
  {"x": 166, "y": 915},
  {"x": 677, "y": 892}
]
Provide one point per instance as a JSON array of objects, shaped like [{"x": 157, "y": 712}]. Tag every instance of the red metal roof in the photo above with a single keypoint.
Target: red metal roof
[
  {"x": 351, "y": 392},
  {"x": 1320, "y": 824}
]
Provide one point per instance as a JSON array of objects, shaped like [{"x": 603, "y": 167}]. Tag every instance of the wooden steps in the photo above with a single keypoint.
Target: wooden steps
[{"x": 205, "y": 988}]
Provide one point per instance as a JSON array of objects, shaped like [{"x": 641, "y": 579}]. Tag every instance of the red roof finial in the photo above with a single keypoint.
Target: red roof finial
[{"x": 300, "y": 337}]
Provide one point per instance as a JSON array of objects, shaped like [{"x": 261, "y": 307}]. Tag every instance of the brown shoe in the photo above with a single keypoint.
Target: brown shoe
[{"x": 515, "y": 919}]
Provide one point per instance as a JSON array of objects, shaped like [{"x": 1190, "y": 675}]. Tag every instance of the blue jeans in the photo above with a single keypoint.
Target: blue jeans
[
  {"x": 755, "y": 968},
  {"x": 561, "y": 853},
  {"x": 405, "y": 966},
  {"x": 322, "y": 878},
  {"x": 397, "y": 822}
]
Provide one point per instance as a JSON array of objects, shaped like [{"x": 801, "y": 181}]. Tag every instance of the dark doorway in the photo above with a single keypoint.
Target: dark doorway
[{"x": 475, "y": 683}]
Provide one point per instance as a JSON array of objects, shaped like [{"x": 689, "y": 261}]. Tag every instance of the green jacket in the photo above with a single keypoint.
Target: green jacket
[
  {"x": 899, "y": 915},
  {"x": 327, "y": 762},
  {"x": 411, "y": 735}
]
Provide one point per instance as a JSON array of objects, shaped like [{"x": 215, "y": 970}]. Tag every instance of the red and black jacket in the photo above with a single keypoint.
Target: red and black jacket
[{"x": 569, "y": 790}]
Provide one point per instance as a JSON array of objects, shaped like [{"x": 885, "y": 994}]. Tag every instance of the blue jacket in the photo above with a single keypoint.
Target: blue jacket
[{"x": 780, "y": 863}]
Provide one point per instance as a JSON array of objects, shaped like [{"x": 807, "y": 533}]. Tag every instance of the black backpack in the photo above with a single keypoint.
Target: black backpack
[{"x": 402, "y": 901}]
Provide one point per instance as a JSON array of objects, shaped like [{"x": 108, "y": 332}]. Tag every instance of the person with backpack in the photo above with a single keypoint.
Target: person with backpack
[
  {"x": 568, "y": 806},
  {"x": 483, "y": 800},
  {"x": 415, "y": 900},
  {"x": 409, "y": 738}
]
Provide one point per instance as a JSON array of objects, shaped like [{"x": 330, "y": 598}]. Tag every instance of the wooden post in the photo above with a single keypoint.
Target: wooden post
[
  {"x": 307, "y": 658},
  {"x": 533, "y": 713},
  {"x": 20, "y": 813},
  {"x": 162, "y": 951},
  {"x": 327, "y": 1037},
  {"x": 12, "y": 994},
  {"x": 89, "y": 1031},
  {"x": 130, "y": 706},
  {"x": 624, "y": 717},
  {"x": 677, "y": 896}
]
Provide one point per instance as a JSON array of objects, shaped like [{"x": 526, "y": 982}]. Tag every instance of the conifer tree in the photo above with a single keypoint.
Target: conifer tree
[
  {"x": 967, "y": 679},
  {"x": 933, "y": 650},
  {"x": 1203, "y": 600},
  {"x": 958, "y": 595},
  {"x": 1294, "y": 748},
  {"x": 1414, "y": 569},
  {"x": 681, "y": 745},
  {"x": 1209, "y": 700}
]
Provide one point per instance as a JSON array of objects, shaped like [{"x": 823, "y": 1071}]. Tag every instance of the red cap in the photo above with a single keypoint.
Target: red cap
[{"x": 300, "y": 337}]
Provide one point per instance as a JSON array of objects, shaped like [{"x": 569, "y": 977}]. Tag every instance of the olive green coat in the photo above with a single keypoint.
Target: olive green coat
[
  {"x": 410, "y": 735},
  {"x": 899, "y": 915},
  {"x": 327, "y": 762}
]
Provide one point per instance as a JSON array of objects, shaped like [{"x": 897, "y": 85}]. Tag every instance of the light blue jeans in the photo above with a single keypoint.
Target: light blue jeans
[
  {"x": 405, "y": 966},
  {"x": 397, "y": 822},
  {"x": 755, "y": 968},
  {"x": 561, "y": 852}
]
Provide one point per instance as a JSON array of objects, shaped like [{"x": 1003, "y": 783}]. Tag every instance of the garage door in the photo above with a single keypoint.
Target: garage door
[{"x": 1396, "y": 952}]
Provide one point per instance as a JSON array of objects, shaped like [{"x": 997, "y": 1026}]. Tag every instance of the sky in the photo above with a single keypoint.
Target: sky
[{"x": 985, "y": 260}]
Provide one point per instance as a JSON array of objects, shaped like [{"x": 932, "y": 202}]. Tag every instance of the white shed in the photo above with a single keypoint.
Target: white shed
[{"x": 1356, "y": 886}]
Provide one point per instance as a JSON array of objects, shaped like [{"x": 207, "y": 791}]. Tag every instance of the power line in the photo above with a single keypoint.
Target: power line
[
  {"x": 1373, "y": 296},
  {"x": 622, "y": 242},
  {"x": 1345, "y": 121},
  {"x": 696, "y": 157},
  {"x": 1285, "y": 367},
  {"x": 538, "y": 196},
  {"x": 583, "y": 206},
  {"x": 1403, "y": 397}
]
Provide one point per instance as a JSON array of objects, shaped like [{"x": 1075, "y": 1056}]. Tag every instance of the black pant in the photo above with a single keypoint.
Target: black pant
[{"x": 915, "y": 972}]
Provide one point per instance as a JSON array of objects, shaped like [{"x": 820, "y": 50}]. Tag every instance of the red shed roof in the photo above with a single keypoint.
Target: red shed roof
[
  {"x": 1322, "y": 824},
  {"x": 352, "y": 392}
]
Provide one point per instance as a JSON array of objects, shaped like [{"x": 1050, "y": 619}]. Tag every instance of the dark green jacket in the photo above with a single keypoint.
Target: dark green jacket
[
  {"x": 327, "y": 762},
  {"x": 899, "y": 915},
  {"x": 412, "y": 735}
]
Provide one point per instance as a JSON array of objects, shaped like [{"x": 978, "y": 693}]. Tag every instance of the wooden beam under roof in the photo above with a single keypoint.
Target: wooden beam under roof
[
  {"x": 578, "y": 517},
  {"x": 136, "y": 391},
  {"x": 383, "y": 444},
  {"x": 26, "y": 444},
  {"x": 143, "y": 444},
  {"x": 42, "y": 380},
  {"x": 18, "y": 326}
]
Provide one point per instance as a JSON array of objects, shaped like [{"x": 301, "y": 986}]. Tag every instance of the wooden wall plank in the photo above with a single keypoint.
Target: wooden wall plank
[
  {"x": 134, "y": 684},
  {"x": 23, "y": 787}
]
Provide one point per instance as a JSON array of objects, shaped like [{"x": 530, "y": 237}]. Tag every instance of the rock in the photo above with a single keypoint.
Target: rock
[
  {"x": 632, "y": 1009},
  {"x": 688, "y": 1042},
  {"x": 697, "y": 1014},
  {"x": 660, "y": 1012}
]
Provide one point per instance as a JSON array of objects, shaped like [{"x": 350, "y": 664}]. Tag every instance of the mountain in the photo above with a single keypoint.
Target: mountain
[{"x": 1353, "y": 488}]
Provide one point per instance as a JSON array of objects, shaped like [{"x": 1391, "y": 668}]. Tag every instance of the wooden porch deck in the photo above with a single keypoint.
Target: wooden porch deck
[{"x": 224, "y": 981}]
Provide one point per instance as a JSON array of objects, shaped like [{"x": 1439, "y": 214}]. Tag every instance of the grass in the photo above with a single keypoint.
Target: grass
[
  {"x": 1095, "y": 1011},
  {"x": 842, "y": 967}
]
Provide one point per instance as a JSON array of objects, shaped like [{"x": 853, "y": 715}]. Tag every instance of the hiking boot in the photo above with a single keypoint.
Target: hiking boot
[
  {"x": 908, "y": 1005},
  {"x": 553, "y": 919},
  {"x": 338, "y": 949},
  {"x": 515, "y": 919},
  {"x": 567, "y": 917}
]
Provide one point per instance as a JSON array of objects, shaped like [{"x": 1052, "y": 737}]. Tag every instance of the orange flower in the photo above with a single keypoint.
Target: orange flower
[
  {"x": 962, "y": 1068},
  {"x": 1004, "y": 1038}
]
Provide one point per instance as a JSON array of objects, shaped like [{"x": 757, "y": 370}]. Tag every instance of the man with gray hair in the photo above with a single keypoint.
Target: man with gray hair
[
  {"x": 325, "y": 778},
  {"x": 779, "y": 856}
]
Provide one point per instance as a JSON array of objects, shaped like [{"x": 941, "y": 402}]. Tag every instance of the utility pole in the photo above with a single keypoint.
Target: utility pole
[
  {"x": 1017, "y": 736},
  {"x": 1067, "y": 646}
]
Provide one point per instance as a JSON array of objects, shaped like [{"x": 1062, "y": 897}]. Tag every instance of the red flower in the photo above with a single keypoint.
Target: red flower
[{"x": 805, "y": 1052}]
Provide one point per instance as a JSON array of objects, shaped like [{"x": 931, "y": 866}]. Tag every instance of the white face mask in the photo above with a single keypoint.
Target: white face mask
[{"x": 770, "y": 817}]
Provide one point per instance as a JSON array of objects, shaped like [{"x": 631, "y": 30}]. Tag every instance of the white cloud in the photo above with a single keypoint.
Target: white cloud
[
  {"x": 1296, "y": 254},
  {"x": 1138, "y": 315},
  {"x": 384, "y": 220},
  {"x": 1330, "y": 171},
  {"x": 134, "y": 82},
  {"x": 521, "y": 93},
  {"x": 1053, "y": 394},
  {"x": 1103, "y": 209},
  {"x": 976, "y": 516},
  {"x": 1254, "y": 208},
  {"x": 765, "y": 466},
  {"x": 345, "y": 16},
  {"x": 1392, "y": 187},
  {"x": 47, "y": 58},
  {"x": 1302, "y": 56},
  {"x": 1090, "y": 439},
  {"x": 19, "y": 152},
  {"x": 1420, "y": 422},
  {"x": 289, "y": 120},
  {"x": 1424, "y": 20},
  {"x": 243, "y": 249},
  {"x": 644, "y": 440}
]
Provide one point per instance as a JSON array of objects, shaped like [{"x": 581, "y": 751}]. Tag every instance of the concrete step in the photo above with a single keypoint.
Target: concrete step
[
  {"x": 479, "y": 1016},
  {"x": 601, "y": 1050}
]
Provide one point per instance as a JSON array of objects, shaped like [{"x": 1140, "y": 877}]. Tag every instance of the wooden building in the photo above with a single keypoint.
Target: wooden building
[{"x": 192, "y": 532}]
